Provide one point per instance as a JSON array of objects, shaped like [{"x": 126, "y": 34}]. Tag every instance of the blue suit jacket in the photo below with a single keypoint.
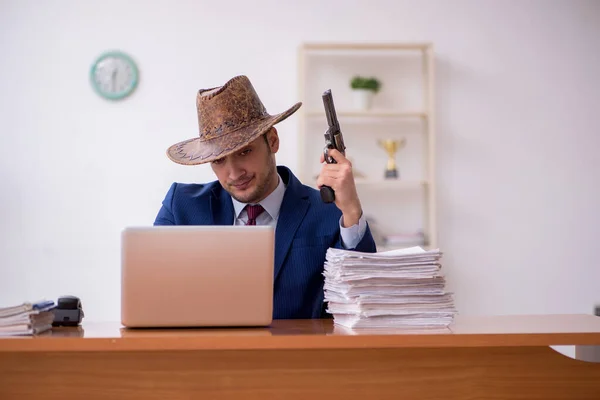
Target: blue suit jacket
[{"x": 306, "y": 228}]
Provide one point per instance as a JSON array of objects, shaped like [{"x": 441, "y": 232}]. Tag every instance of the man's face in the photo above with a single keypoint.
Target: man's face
[{"x": 250, "y": 174}]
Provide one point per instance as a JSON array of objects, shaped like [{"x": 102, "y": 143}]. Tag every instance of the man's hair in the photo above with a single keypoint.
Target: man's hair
[{"x": 264, "y": 135}]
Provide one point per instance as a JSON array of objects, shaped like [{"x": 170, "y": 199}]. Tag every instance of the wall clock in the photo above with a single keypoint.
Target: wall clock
[{"x": 114, "y": 75}]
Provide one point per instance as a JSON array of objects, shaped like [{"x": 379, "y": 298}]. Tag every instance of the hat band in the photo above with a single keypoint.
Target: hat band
[{"x": 222, "y": 132}]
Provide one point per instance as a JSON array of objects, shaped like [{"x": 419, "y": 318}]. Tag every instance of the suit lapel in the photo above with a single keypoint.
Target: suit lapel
[
  {"x": 293, "y": 209},
  {"x": 221, "y": 207}
]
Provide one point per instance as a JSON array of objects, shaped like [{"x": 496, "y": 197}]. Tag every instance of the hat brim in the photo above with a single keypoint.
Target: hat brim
[{"x": 198, "y": 151}]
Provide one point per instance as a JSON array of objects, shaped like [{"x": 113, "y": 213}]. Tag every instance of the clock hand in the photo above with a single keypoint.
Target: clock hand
[{"x": 114, "y": 79}]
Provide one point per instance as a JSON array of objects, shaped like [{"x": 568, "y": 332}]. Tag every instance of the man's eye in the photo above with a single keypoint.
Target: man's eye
[
  {"x": 245, "y": 152},
  {"x": 218, "y": 161}
]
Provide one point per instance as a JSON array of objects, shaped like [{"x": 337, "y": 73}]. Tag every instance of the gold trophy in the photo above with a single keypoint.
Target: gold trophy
[{"x": 391, "y": 147}]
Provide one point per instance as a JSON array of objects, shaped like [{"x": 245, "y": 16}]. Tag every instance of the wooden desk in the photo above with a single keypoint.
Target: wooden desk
[{"x": 477, "y": 357}]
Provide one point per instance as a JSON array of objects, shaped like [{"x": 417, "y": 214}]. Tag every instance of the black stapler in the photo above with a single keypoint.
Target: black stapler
[{"x": 68, "y": 311}]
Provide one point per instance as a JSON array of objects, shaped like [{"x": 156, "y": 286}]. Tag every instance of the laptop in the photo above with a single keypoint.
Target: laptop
[{"x": 197, "y": 276}]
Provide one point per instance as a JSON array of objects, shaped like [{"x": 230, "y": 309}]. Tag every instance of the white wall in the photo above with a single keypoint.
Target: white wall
[{"x": 518, "y": 105}]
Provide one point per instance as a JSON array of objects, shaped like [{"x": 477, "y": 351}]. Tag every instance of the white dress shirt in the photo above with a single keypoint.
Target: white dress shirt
[{"x": 351, "y": 236}]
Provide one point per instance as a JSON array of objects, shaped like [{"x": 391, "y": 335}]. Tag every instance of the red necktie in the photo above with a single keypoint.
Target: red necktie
[{"x": 253, "y": 212}]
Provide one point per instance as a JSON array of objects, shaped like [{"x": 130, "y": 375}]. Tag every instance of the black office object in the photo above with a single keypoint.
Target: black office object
[{"x": 68, "y": 311}]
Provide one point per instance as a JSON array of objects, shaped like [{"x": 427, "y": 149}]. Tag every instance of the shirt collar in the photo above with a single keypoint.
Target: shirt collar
[{"x": 271, "y": 204}]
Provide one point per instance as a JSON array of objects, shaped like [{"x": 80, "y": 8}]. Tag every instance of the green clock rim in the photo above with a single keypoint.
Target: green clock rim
[{"x": 122, "y": 55}]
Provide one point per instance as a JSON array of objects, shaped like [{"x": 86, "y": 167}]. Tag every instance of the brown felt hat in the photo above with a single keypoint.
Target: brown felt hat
[{"x": 230, "y": 117}]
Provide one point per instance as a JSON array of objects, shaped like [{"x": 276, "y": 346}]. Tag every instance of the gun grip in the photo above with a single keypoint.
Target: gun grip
[{"x": 327, "y": 194}]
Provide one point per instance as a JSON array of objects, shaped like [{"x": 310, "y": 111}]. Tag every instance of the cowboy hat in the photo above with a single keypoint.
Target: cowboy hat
[{"x": 229, "y": 117}]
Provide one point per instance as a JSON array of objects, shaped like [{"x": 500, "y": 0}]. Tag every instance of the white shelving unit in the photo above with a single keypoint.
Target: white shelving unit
[{"x": 402, "y": 109}]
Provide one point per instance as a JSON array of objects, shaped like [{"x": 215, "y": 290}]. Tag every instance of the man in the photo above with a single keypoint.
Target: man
[{"x": 238, "y": 139}]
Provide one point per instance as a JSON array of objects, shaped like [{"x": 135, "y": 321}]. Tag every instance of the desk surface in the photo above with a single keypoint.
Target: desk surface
[{"x": 465, "y": 331}]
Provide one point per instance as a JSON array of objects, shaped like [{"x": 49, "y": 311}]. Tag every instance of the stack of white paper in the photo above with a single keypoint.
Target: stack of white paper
[
  {"x": 399, "y": 288},
  {"x": 26, "y": 318}
]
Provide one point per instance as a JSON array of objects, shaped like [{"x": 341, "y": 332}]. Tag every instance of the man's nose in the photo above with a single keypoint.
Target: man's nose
[{"x": 236, "y": 171}]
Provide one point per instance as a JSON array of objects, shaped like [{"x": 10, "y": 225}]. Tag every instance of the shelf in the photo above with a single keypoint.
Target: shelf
[
  {"x": 359, "y": 49},
  {"x": 367, "y": 46},
  {"x": 390, "y": 184},
  {"x": 406, "y": 109},
  {"x": 371, "y": 114},
  {"x": 393, "y": 184}
]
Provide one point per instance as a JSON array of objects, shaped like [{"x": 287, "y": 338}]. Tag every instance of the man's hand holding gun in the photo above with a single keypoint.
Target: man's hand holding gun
[{"x": 336, "y": 180}]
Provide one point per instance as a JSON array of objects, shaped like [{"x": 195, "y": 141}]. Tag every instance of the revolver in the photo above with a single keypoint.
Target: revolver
[{"x": 333, "y": 140}]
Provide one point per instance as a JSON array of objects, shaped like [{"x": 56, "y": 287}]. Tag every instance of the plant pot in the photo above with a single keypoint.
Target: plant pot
[{"x": 363, "y": 98}]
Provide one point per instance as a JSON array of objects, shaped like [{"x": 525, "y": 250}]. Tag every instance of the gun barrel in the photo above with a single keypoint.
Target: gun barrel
[{"x": 332, "y": 120}]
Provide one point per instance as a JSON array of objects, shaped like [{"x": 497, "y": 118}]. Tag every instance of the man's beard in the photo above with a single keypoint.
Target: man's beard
[{"x": 262, "y": 185}]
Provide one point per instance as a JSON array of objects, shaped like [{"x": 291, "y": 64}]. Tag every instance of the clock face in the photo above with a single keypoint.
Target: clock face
[{"x": 114, "y": 75}]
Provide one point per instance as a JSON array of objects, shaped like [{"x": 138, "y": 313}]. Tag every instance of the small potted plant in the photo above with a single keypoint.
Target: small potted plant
[{"x": 364, "y": 88}]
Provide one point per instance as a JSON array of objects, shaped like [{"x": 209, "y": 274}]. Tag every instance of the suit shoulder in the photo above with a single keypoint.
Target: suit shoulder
[{"x": 179, "y": 189}]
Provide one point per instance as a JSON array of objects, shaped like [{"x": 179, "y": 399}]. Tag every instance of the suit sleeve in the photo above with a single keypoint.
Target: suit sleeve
[
  {"x": 352, "y": 235},
  {"x": 366, "y": 243},
  {"x": 165, "y": 214}
]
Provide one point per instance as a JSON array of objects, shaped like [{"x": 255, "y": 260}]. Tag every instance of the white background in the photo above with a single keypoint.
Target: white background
[{"x": 518, "y": 102}]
